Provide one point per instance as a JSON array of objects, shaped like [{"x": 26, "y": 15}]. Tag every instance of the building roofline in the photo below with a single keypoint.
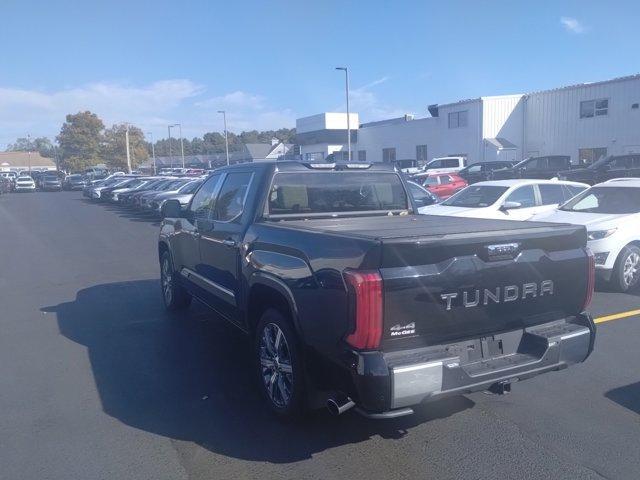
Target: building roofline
[{"x": 635, "y": 76}]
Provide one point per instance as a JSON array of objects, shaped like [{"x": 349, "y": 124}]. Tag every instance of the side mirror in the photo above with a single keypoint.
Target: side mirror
[
  {"x": 172, "y": 209},
  {"x": 510, "y": 206}
]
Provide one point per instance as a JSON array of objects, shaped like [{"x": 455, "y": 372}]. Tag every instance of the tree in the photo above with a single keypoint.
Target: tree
[
  {"x": 80, "y": 141},
  {"x": 42, "y": 145},
  {"x": 213, "y": 142},
  {"x": 114, "y": 150}
]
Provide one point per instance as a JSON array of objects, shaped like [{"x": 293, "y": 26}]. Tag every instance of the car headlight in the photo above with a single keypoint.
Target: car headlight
[{"x": 600, "y": 234}]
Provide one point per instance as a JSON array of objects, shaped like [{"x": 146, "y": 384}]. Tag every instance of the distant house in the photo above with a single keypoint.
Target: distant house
[
  {"x": 249, "y": 152},
  {"x": 18, "y": 161}
]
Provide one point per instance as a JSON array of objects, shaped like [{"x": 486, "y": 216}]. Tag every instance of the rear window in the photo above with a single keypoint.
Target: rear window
[{"x": 336, "y": 192}]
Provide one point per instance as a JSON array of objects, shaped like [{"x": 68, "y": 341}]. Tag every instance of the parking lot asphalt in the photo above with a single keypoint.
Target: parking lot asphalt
[{"x": 97, "y": 381}]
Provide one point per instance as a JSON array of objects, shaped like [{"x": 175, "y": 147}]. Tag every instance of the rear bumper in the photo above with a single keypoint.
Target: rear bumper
[{"x": 391, "y": 382}]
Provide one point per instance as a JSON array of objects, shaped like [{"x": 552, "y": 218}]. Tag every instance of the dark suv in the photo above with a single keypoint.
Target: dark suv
[
  {"x": 605, "y": 169},
  {"x": 536, "y": 167}
]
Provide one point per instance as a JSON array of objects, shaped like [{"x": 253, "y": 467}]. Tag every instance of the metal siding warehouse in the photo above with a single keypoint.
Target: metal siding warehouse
[{"x": 569, "y": 121}]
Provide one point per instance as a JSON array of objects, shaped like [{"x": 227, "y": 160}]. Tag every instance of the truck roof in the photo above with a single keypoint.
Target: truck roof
[{"x": 291, "y": 166}]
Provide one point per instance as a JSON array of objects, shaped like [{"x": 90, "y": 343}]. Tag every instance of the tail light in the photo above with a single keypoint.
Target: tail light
[
  {"x": 366, "y": 299},
  {"x": 591, "y": 279}
]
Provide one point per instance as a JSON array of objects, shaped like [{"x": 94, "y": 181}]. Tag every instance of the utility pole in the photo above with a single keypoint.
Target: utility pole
[
  {"x": 226, "y": 134},
  {"x": 126, "y": 137},
  {"x": 153, "y": 153},
  {"x": 346, "y": 78}
]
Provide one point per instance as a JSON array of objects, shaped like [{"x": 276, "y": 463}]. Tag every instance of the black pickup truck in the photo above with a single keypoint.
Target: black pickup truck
[
  {"x": 615, "y": 166},
  {"x": 354, "y": 300}
]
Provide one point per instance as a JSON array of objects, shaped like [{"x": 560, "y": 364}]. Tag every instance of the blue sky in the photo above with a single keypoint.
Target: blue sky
[{"x": 266, "y": 63}]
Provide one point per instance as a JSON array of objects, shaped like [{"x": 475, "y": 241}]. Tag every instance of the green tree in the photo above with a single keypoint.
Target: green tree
[
  {"x": 39, "y": 144},
  {"x": 114, "y": 150},
  {"x": 80, "y": 141}
]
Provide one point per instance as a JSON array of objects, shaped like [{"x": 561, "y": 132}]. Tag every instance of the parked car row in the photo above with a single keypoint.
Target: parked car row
[
  {"x": 147, "y": 194},
  {"x": 51, "y": 180},
  {"x": 539, "y": 167}
]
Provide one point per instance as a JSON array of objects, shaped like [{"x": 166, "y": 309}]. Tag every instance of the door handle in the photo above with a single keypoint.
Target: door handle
[{"x": 229, "y": 242}]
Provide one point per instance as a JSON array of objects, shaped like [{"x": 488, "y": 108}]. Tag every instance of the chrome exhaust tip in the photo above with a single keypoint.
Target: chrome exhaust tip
[{"x": 339, "y": 406}]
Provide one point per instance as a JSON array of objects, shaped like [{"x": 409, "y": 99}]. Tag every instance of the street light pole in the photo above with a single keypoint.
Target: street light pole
[
  {"x": 181, "y": 143},
  {"x": 29, "y": 147},
  {"x": 170, "y": 157},
  {"x": 153, "y": 154},
  {"x": 226, "y": 134},
  {"x": 126, "y": 139},
  {"x": 346, "y": 78}
]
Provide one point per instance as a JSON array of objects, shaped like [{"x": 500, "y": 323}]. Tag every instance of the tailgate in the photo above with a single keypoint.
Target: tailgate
[{"x": 454, "y": 287}]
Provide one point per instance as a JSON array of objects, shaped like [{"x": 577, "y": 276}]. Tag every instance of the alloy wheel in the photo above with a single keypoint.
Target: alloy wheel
[
  {"x": 275, "y": 364},
  {"x": 167, "y": 281},
  {"x": 631, "y": 269}
]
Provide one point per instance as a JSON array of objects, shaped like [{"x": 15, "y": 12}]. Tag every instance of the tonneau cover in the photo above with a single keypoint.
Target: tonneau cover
[{"x": 397, "y": 226}]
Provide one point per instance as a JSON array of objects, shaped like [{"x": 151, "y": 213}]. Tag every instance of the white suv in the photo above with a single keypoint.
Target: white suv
[
  {"x": 446, "y": 165},
  {"x": 611, "y": 213},
  {"x": 516, "y": 199},
  {"x": 25, "y": 183}
]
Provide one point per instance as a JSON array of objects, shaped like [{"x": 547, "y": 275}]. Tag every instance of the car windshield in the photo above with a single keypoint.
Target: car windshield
[
  {"x": 476, "y": 196},
  {"x": 430, "y": 181},
  {"x": 74, "y": 177},
  {"x": 336, "y": 192},
  {"x": 599, "y": 163},
  {"x": 610, "y": 200},
  {"x": 173, "y": 185},
  {"x": 190, "y": 187}
]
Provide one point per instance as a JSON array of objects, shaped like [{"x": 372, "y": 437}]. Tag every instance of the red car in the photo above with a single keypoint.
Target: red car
[{"x": 443, "y": 185}]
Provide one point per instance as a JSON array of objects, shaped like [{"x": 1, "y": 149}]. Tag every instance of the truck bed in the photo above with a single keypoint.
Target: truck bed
[
  {"x": 414, "y": 226},
  {"x": 443, "y": 282}
]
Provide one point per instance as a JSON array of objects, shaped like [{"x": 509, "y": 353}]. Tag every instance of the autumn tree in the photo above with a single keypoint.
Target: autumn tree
[
  {"x": 80, "y": 141},
  {"x": 114, "y": 150}
]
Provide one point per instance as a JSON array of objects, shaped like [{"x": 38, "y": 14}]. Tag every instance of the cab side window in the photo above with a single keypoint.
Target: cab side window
[
  {"x": 233, "y": 194},
  {"x": 204, "y": 200},
  {"x": 451, "y": 163},
  {"x": 558, "y": 163},
  {"x": 525, "y": 196}
]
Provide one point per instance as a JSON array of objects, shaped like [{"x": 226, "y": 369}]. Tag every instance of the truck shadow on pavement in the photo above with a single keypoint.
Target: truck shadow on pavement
[
  {"x": 189, "y": 377},
  {"x": 627, "y": 396}
]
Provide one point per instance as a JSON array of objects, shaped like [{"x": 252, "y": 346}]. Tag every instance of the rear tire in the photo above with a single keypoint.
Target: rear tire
[
  {"x": 279, "y": 365},
  {"x": 626, "y": 273},
  {"x": 174, "y": 295}
]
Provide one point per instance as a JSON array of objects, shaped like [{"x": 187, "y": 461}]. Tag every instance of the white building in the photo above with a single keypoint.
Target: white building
[
  {"x": 321, "y": 135},
  {"x": 585, "y": 122}
]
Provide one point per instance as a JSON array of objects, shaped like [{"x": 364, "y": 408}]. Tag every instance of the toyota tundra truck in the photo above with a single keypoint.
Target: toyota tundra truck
[{"x": 353, "y": 300}]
